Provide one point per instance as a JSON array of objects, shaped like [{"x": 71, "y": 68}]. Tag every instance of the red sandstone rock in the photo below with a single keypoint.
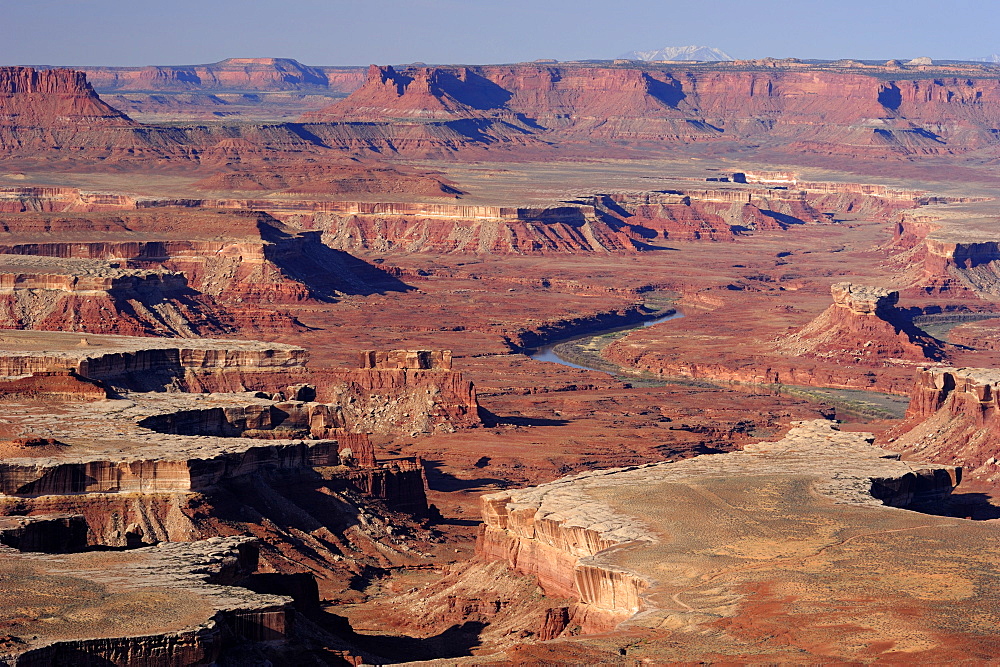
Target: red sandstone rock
[
  {"x": 863, "y": 326},
  {"x": 953, "y": 417},
  {"x": 51, "y": 100},
  {"x": 669, "y": 104}
]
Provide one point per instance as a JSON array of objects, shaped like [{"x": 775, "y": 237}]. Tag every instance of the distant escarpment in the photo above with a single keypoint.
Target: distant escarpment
[
  {"x": 232, "y": 74},
  {"x": 332, "y": 177},
  {"x": 825, "y": 112},
  {"x": 438, "y": 111}
]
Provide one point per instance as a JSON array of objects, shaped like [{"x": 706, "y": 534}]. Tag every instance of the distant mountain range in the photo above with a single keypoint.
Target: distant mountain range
[
  {"x": 995, "y": 58},
  {"x": 703, "y": 53}
]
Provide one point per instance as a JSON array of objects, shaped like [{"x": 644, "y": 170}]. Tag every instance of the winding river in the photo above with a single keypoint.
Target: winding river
[{"x": 548, "y": 352}]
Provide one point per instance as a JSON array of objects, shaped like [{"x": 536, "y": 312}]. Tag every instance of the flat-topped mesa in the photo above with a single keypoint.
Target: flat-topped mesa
[
  {"x": 231, "y": 74},
  {"x": 408, "y": 359},
  {"x": 55, "y": 98},
  {"x": 953, "y": 417},
  {"x": 570, "y": 533},
  {"x": 863, "y": 326},
  {"x": 183, "y": 605}
]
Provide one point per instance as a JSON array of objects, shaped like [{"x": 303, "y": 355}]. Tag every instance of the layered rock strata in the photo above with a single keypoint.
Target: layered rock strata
[
  {"x": 158, "y": 443},
  {"x": 141, "y": 460},
  {"x": 54, "y": 294},
  {"x": 471, "y": 229},
  {"x": 240, "y": 257},
  {"x": 45, "y": 533},
  {"x": 512, "y": 104},
  {"x": 231, "y": 74},
  {"x": 581, "y": 538},
  {"x": 953, "y": 417},
  {"x": 951, "y": 251},
  {"x": 150, "y": 364}
]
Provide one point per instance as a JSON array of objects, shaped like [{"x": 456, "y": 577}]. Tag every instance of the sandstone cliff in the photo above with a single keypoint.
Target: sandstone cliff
[
  {"x": 242, "y": 74},
  {"x": 953, "y": 417},
  {"x": 818, "y": 111}
]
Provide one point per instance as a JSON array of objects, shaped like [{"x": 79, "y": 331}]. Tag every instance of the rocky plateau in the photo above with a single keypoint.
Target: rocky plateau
[{"x": 531, "y": 363}]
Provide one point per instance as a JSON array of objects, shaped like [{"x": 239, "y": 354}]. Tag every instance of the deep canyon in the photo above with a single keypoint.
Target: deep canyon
[{"x": 271, "y": 395}]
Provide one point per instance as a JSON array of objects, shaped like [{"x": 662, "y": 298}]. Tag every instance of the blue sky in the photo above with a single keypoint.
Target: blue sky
[{"x": 359, "y": 32}]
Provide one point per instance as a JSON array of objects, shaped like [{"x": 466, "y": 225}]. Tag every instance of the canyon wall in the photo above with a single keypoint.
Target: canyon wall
[
  {"x": 953, "y": 417},
  {"x": 862, "y": 114}
]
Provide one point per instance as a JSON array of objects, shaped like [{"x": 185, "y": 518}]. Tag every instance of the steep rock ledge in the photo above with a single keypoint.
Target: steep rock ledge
[{"x": 954, "y": 417}]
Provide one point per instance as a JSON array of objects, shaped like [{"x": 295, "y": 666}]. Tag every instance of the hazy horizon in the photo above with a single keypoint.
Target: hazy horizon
[{"x": 347, "y": 32}]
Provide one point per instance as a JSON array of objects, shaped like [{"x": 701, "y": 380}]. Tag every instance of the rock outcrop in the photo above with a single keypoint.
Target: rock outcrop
[
  {"x": 863, "y": 326},
  {"x": 953, "y": 417},
  {"x": 50, "y": 101}
]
